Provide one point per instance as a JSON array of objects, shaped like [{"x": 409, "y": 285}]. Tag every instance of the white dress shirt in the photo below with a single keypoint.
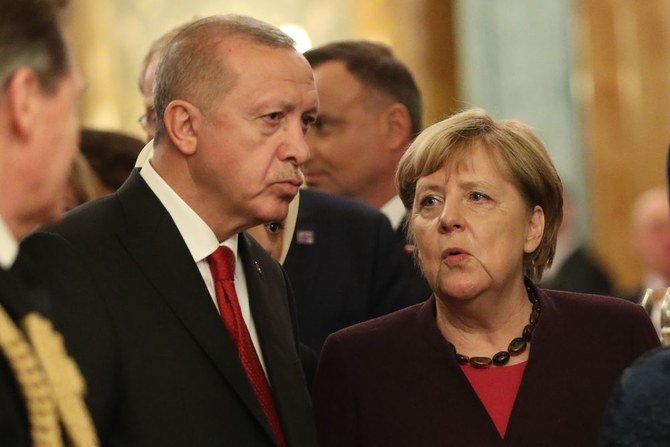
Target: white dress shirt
[
  {"x": 395, "y": 211},
  {"x": 9, "y": 246},
  {"x": 201, "y": 243}
]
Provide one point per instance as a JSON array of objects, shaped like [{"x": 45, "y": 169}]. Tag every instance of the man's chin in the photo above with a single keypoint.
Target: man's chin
[{"x": 276, "y": 213}]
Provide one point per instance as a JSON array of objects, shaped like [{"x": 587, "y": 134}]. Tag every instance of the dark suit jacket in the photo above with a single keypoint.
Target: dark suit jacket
[
  {"x": 394, "y": 381},
  {"x": 581, "y": 272},
  {"x": 344, "y": 264},
  {"x": 172, "y": 376},
  {"x": 638, "y": 413},
  {"x": 18, "y": 296}
]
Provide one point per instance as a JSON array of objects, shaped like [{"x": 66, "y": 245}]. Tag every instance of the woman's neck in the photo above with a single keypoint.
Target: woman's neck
[{"x": 485, "y": 324}]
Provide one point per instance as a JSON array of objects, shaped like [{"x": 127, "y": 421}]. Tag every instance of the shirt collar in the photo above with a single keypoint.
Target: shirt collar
[
  {"x": 395, "y": 211},
  {"x": 199, "y": 238},
  {"x": 9, "y": 246}
]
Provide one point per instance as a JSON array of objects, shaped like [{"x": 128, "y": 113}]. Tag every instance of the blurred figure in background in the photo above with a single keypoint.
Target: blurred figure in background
[
  {"x": 41, "y": 388},
  {"x": 81, "y": 183},
  {"x": 638, "y": 413},
  {"x": 650, "y": 244},
  {"x": 145, "y": 81},
  {"x": 575, "y": 267},
  {"x": 369, "y": 112},
  {"x": 112, "y": 157}
]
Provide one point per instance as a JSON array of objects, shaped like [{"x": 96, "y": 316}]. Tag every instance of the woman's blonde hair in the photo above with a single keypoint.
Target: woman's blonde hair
[{"x": 513, "y": 146}]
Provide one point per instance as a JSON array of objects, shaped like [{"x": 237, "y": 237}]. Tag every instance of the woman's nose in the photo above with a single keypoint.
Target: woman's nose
[{"x": 451, "y": 218}]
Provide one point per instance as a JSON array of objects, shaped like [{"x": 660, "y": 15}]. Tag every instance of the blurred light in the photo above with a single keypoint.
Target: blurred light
[{"x": 299, "y": 34}]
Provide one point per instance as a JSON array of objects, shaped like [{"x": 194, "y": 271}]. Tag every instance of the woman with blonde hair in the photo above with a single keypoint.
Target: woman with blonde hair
[{"x": 489, "y": 359}]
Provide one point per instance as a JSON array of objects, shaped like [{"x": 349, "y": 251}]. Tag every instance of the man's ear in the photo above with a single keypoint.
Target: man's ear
[
  {"x": 23, "y": 94},
  {"x": 397, "y": 127},
  {"x": 182, "y": 120}
]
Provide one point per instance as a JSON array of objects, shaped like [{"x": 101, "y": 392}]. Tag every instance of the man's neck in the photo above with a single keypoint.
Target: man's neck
[{"x": 379, "y": 196}]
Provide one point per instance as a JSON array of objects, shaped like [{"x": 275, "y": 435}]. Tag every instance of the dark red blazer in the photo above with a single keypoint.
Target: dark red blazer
[{"x": 394, "y": 381}]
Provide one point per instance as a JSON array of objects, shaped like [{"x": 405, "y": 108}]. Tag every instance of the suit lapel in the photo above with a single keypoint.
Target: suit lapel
[
  {"x": 154, "y": 242},
  {"x": 268, "y": 303},
  {"x": 532, "y": 394},
  {"x": 272, "y": 318}
]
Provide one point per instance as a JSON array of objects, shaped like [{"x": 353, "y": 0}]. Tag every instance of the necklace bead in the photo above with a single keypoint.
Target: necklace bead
[
  {"x": 501, "y": 358},
  {"x": 516, "y": 346},
  {"x": 480, "y": 362}
]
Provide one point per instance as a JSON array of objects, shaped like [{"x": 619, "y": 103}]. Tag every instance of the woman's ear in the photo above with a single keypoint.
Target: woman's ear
[
  {"x": 535, "y": 230},
  {"x": 182, "y": 120}
]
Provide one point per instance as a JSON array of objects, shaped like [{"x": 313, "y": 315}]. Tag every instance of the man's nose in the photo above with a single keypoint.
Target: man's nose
[{"x": 295, "y": 147}]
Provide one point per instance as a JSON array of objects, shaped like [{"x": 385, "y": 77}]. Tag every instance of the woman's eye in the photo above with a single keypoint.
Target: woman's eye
[
  {"x": 428, "y": 201},
  {"x": 478, "y": 197}
]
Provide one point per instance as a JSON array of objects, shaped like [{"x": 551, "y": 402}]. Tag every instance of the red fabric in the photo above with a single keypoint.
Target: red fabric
[
  {"x": 497, "y": 388},
  {"x": 222, "y": 266}
]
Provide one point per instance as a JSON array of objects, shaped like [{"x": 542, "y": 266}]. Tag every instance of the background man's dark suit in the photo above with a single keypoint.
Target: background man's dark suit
[
  {"x": 580, "y": 272},
  {"x": 344, "y": 265},
  {"x": 176, "y": 374}
]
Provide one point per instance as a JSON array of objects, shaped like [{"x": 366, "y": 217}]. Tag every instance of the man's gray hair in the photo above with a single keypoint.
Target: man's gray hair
[{"x": 190, "y": 69}]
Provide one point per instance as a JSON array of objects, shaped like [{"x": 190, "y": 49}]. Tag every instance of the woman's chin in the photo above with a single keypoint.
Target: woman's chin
[{"x": 460, "y": 290}]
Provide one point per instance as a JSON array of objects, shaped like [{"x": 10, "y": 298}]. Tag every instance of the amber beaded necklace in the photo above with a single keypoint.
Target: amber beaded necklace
[{"x": 516, "y": 346}]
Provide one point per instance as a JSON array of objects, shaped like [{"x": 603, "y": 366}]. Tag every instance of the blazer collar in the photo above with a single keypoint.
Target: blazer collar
[{"x": 465, "y": 393}]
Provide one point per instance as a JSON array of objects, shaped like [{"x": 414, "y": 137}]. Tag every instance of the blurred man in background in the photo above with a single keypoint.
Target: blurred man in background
[
  {"x": 650, "y": 243},
  {"x": 575, "y": 267},
  {"x": 369, "y": 112},
  {"x": 41, "y": 389},
  {"x": 111, "y": 156}
]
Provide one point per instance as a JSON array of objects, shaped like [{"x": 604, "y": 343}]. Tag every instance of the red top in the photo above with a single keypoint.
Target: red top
[{"x": 497, "y": 388}]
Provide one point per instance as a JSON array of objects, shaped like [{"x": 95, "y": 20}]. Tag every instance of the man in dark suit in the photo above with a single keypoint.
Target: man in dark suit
[
  {"x": 369, "y": 112},
  {"x": 343, "y": 260},
  {"x": 345, "y": 266},
  {"x": 203, "y": 349},
  {"x": 41, "y": 391}
]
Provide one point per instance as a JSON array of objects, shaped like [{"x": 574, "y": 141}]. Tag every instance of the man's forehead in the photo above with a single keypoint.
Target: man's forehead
[
  {"x": 261, "y": 64},
  {"x": 339, "y": 89}
]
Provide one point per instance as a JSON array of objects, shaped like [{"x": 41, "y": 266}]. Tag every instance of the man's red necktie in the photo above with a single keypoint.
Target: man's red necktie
[{"x": 222, "y": 266}]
